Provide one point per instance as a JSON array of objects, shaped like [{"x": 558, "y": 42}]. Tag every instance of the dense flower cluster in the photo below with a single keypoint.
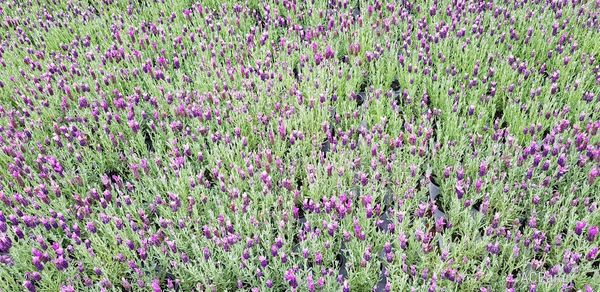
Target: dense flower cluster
[{"x": 282, "y": 145}]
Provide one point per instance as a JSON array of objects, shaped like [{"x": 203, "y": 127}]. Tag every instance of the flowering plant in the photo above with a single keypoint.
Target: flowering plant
[{"x": 299, "y": 145}]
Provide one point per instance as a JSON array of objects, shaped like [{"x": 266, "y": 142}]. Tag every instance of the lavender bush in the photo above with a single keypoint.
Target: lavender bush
[{"x": 290, "y": 145}]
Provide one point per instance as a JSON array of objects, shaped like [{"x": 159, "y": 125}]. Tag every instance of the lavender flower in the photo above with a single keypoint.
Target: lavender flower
[
  {"x": 291, "y": 142},
  {"x": 579, "y": 227},
  {"x": 592, "y": 233}
]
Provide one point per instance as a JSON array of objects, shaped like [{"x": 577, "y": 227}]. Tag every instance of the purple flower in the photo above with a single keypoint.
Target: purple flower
[
  {"x": 329, "y": 54},
  {"x": 592, "y": 233},
  {"x": 493, "y": 248},
  {"x": 482, "y": 169},
  {"x": 91, "y": 227},
  {"x": 67, "y": 288},
  {"x": 206, "y": 253},
  {"x": 510, "y": 281},
  {"x": 318, "y": 59},
  {"x": 61, "y": 263},
  {"x": 263, "y": 261},
  {"x": 156, "y": 285},
  {"x": 459, "y": 191},
  {"x": 367, "y": 255},
  {"x": 318, "y": 258},
  {"x": 346, "y": 286},
  {"x": 579, "y": 227},
  {"x": 290, "y": 277},
  {"x": 460, "y": 174},
  {"x": 387, "y": 247},
  {"x": 29, "y": 286},
  {"x": 176, "y": 64},
  {"x": 358, "y": 230},
  {"x": 5, "y": 243},
  {"x": 478, "y": 184},
  {"x": 532, "y": 287},
  {"x": 389, "y": 257},
  {"x": 591, "y": 255},
  {"x": 403, "y": 240},
  {"x": 471, "y": 110},
  {"x": 363, "y": 179}
]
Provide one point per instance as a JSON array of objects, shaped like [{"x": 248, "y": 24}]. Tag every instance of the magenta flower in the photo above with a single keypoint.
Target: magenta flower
[
  {"x": 290, "y": 277},
  {"x": 156, "y": 285},
  {"x": 579, "y": 227},
  {"x": 591, "y": 255},
  {"x": 592, "y": 233}
]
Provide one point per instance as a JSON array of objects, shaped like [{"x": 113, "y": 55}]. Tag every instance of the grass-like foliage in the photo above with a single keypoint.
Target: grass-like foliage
[{"x": 321, "y": 145}]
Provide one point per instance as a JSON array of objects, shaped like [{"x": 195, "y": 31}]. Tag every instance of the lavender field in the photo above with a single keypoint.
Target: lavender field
[{"x": 287, "y": 145}]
